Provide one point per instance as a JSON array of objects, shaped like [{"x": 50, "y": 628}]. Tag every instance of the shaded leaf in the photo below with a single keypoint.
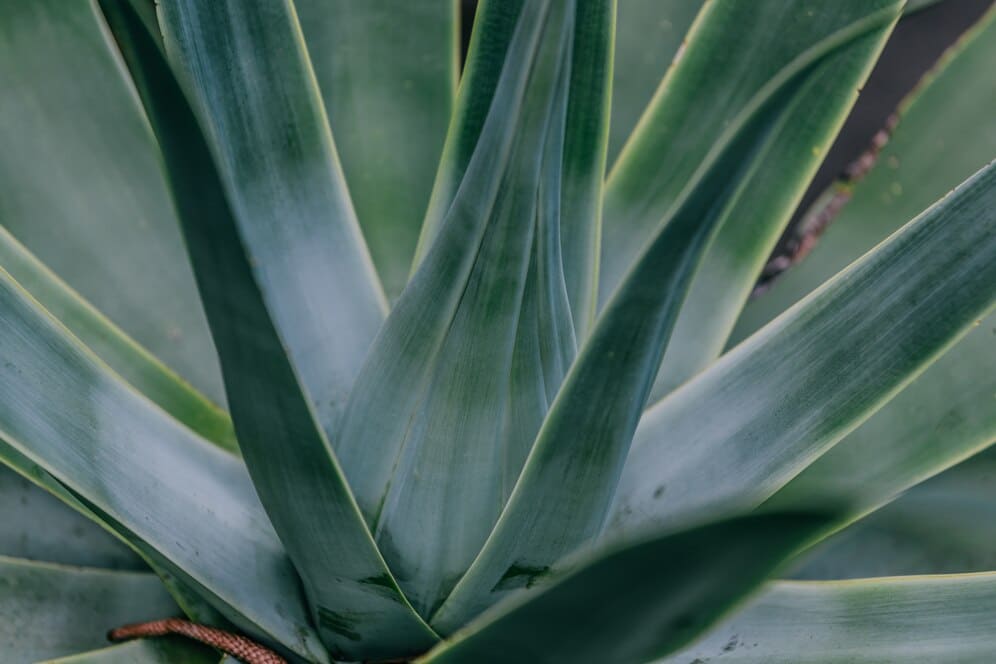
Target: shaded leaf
[
  {"x": 744, "y": 428},
  {"x": 181, "y": 500},
  {"x": 436, "y": 429},
  {"x": 634, "y": 603},
  {"x": 914, "y": 619},
  {"x": 49, "y": 610},
  {"x": 82, "y": 188},
  {"x": 38, "y": 527},
  {"x": 733, "y": 52},
  {"x": 388, "y": 74},
  {"x": 254, "y": 270},
  {"x": 566, "y": 487}
]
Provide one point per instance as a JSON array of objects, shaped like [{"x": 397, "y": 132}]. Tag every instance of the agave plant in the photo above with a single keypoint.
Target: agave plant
[{"x": 366, "y": 365}]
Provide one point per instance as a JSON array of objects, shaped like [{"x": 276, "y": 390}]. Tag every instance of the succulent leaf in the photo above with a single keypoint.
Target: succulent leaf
[{"x": 242, "y": 259}]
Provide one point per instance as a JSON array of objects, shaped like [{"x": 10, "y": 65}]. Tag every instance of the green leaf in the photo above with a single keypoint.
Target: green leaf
[
  {"x": 741, "y": 430},
  {"x": 151, "y": 651},
  {"x": 82, "y": 189},
  {"x": 947, "y": 413},
  {"x": 720, "y": 70},
  {"x": 388, "y": 74},
  {"x": 649, "y": 33},
  {"x": 49, "y": 610},
  {"x": 565, "y": 489},
  {"x": 916, "y": 619},
  {"x": 39, "y": 527},
  {"x": 943, "y": 526},
  {"x": 182, "y": 501},
  {"x": 255, "y": 269},
  {"x": 134, "y": 363},
  {"x": 456, "y": 386},
  {"x": 282, "y": 177},
  {"x": 633, "y": 603},
  {"x": 586, "y": 124}
]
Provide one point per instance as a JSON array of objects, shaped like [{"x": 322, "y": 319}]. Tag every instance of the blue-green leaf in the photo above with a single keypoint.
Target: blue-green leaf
[
  {"x": 566, "y": 486},
  {"x": 184, "y": 503},
  {"x": 36, "y": 526},
  {"x": 458, "y": 381},
  {"x": 633, "y": 603},
  {"x": 255, "y": 269},
  {"x": 49, "y": 610},
  {"x": 916, "y": 620},
  {"x": 744, "y": 428},
  {"x": 734, "y": 50},
  {"x": 82, "y": 189}
]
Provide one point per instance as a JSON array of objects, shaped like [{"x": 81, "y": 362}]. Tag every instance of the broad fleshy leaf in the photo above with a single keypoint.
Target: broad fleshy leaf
[
  {"x": 49, "y": 610},
  {"x": 947, "y": 413},
  {"x": 457, "y": 383},
  {"x": 920, "y": 620},
  {"x": 738, "y": 432},
  {"x": 257, "y": 269},
  {"x": 584, "y": 142},
  {"x": 388, "y": 75},
  {"x": 733, "y": 51},
  {"x": 38, "y": 527},
  {"x": 943, "y": 526},
  {"x": 82, "y": 189},
  {"x": 563, "y": 494},
  {"x": 147, "y": 374},
  {"x": 635, "y": 603},
  {"x": 73, "y": 425}
]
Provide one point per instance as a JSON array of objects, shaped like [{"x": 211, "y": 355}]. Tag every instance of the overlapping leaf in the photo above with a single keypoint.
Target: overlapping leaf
[
  {"x": 947, "y": 413},
  {"x": 131, "y": 361},
  {"x": 917, "y": 619},
  {"x": 49, "y": 610},
  {"x": 943, "y": 526},
  {"x": 81, "y": 187},
  {"x": 141, "y": 473},
  {"x": 36, "y": 526},
  {"x": 740, "y": 431},
  {"x": 437, "y": 428},
  {"x": 636, "y": 602},
  {"x": 733, "y": 50},
  {"x": 280, "y": 281},
  {"x": 567, "y": 484}
]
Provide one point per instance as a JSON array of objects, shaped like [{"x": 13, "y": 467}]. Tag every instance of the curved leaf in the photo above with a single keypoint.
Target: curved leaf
[
  {"x": 943, "y": 526},
  {"x": 914, "y": 619},
  {"x": 388, "y": 74},
  {"x": 947, "y": 413},
  {"x": 133, "y": 362},
  {"x": 49, "y": 610},
  {"x": 176, "y": 497},
  {"x": 565, "y": 489},
  {"x": 437, "y": 428},
  {"x": 82, "y": 189},
  {"x": 738, "y": 432},
  {"x": 38, "y": 527},
  {"x": 250, "y": 283},
  {"x": 633, "y": 603},
  {"x": 732, "y": 52}
]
